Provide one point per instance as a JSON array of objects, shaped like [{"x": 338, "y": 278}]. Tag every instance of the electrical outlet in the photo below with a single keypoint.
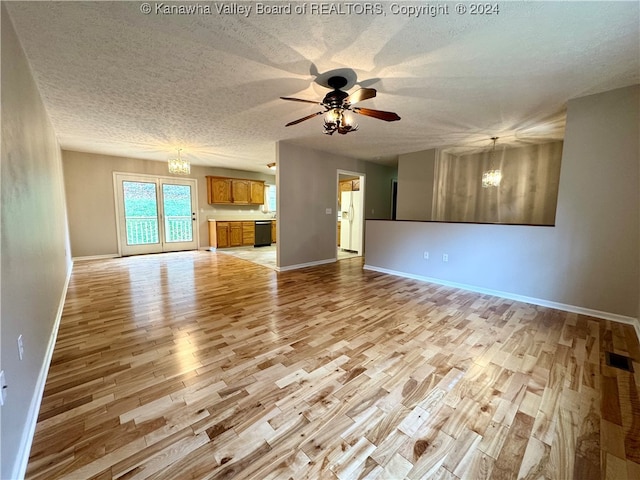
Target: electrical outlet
[
  {"x": 445, "y": 257},
  {"x": 20, "y": 347},
  {"x": 3, "y": 388},
  {"x": 425, "y": 255},
  {"x": 328, "y": 211}
]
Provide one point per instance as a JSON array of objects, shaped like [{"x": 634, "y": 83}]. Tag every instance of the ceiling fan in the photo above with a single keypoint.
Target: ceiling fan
[{"x": 337, "y": 102}]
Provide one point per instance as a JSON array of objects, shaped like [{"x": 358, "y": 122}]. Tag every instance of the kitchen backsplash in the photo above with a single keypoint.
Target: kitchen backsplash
[{"x": 235, "y": 212}]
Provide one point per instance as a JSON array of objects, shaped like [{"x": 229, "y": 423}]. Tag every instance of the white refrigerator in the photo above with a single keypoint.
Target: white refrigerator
[{"x": 351, "y": 221}]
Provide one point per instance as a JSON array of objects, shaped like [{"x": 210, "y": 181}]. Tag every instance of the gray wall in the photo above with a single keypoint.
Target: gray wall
[
  {"x": 34, "y": 243},
  {"x": 90, "y": 198},
  {"x": 416, "y": 174},
  {"x": 307, "y": 182},
  {"x": 590, "y": 259}
]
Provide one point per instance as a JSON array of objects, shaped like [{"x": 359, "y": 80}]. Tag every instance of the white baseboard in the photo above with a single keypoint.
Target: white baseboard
[
  {"x": 22, "y": 458},
  {"x": 96, "y": 257},
  {"x": 304, "y": 265},
  {"x": 520, "y": 298}
]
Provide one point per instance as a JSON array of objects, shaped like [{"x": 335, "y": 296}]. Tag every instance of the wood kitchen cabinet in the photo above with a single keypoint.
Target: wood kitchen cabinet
[
  {"x": 273, "y": 231},
  {"x": 346, "y": 185},
  {"x": 235, "y": 234},
  {"x": 231, "y": 234},
  {"x": 219, "y": 234},
  {"x": 248, "y": 233},
  {"x": 257, "y": 192},
  {"x": 218, "y": 190},
  {"x": 350, "y": 185},
  {"x": 239, "y": 191}
]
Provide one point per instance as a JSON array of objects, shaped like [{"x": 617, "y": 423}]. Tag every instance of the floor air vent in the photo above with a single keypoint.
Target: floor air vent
[{"x": 618, "y": 361}]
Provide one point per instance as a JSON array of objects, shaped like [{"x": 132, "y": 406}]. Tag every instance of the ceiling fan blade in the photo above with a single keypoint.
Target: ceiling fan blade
[
  {"x": 301, "y": 100},
  {"x": 360, "y": 95},
  {"x": 379, "y": 114},
  {"x": 295, "y": 122}
]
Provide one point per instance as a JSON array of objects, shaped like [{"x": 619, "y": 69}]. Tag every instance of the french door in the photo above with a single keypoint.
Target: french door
[{"x": 155, "y": 214}]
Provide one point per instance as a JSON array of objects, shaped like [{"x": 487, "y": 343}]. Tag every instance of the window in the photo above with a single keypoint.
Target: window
[{"x": 270, "y": 198}]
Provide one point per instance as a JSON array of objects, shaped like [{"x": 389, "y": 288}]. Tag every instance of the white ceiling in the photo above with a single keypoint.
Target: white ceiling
[{"x": 116, "y": 81}]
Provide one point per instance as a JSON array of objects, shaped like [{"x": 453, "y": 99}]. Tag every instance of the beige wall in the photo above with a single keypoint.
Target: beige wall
[
  {"x": 90, "y": 198},
  {"x": 34, "y": 244},
  {"x": 590, "y": 259},
  {"x": 527, "y": 195}
]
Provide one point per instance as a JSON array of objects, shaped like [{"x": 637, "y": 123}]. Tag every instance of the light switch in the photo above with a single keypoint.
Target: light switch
[{"x": 328, "y": 211}]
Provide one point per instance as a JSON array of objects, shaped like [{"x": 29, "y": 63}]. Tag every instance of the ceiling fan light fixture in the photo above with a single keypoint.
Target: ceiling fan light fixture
[
  {"x": 179, "y": 165},
  {"x": 347, "y": 121},
  {"x": 336, "y": 120},
  {"x": 333, "y": 116}
]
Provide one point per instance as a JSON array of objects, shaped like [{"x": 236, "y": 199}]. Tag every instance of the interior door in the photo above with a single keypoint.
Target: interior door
[{"x": 155, "y": 214}]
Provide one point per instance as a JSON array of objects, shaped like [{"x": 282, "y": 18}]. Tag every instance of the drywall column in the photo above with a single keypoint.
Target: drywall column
[
  {"x": 416, "y": 174},
  {"x": 307, "y": 185}
]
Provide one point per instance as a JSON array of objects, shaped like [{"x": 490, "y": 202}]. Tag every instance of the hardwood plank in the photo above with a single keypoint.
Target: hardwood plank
[{"x": 202, "y": 365}]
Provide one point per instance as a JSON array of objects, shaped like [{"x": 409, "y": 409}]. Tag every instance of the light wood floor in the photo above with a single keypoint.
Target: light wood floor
[{"x": 202, "y": 365}]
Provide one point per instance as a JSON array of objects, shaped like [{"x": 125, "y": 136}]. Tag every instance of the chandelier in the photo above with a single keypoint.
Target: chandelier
[
  {"x": 335, "y": 120},
  {"x": 179, "y": 166},
  {"x": 492, "y": 177}
]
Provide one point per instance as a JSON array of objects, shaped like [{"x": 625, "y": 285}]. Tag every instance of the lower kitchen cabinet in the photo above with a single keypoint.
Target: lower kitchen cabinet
[
  {"x": 235, "y": 234},
  {"x": 248, "y": 233},
  {"x": 273, "y": 231},
  {"x": 231, "y": 234},
  {"x": 219, "y": 234}
]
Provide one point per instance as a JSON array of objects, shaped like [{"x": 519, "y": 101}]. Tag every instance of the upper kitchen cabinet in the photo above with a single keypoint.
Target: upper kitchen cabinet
[
  {"x": 351, "y": 185},
  {"x": 219, "y": 190},
  {"x": 257, "y": 192},
  {"x": 238, "y": 191}
]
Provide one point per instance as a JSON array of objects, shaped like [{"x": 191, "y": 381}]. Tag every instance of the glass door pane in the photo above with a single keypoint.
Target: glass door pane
[
  {"x": 155, "y": 214},
  {"x": 176, "y": 202},
  {"x": 140, "y": 213}
]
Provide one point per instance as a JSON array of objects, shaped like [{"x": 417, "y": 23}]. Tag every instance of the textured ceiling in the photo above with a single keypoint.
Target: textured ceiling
[{"x": 119, "y": 82}]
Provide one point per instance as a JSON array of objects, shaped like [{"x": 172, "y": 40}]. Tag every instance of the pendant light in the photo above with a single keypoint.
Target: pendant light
[
  {"x": 492, "y": 177},
  {"x": 179, "y": 166}
]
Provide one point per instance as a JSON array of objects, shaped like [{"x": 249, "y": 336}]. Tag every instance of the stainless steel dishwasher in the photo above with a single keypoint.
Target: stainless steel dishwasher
[{"x": 263, "y": 233}]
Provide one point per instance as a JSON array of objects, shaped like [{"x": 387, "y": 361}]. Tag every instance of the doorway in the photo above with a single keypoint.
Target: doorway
[
  {"x": 155, "y": 214},
  {"x": 350, "y": 225},
  {"x": 394, "y": 198}
]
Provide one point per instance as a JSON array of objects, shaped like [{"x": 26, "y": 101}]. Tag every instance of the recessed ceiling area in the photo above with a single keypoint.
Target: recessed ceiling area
[{"x": 117, "y": 81}]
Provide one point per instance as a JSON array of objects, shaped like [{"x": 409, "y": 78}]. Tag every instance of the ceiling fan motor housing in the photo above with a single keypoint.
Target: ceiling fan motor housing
[
  {"x": 335, "y": 98},
  {"x": 337, "y": 82}
]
